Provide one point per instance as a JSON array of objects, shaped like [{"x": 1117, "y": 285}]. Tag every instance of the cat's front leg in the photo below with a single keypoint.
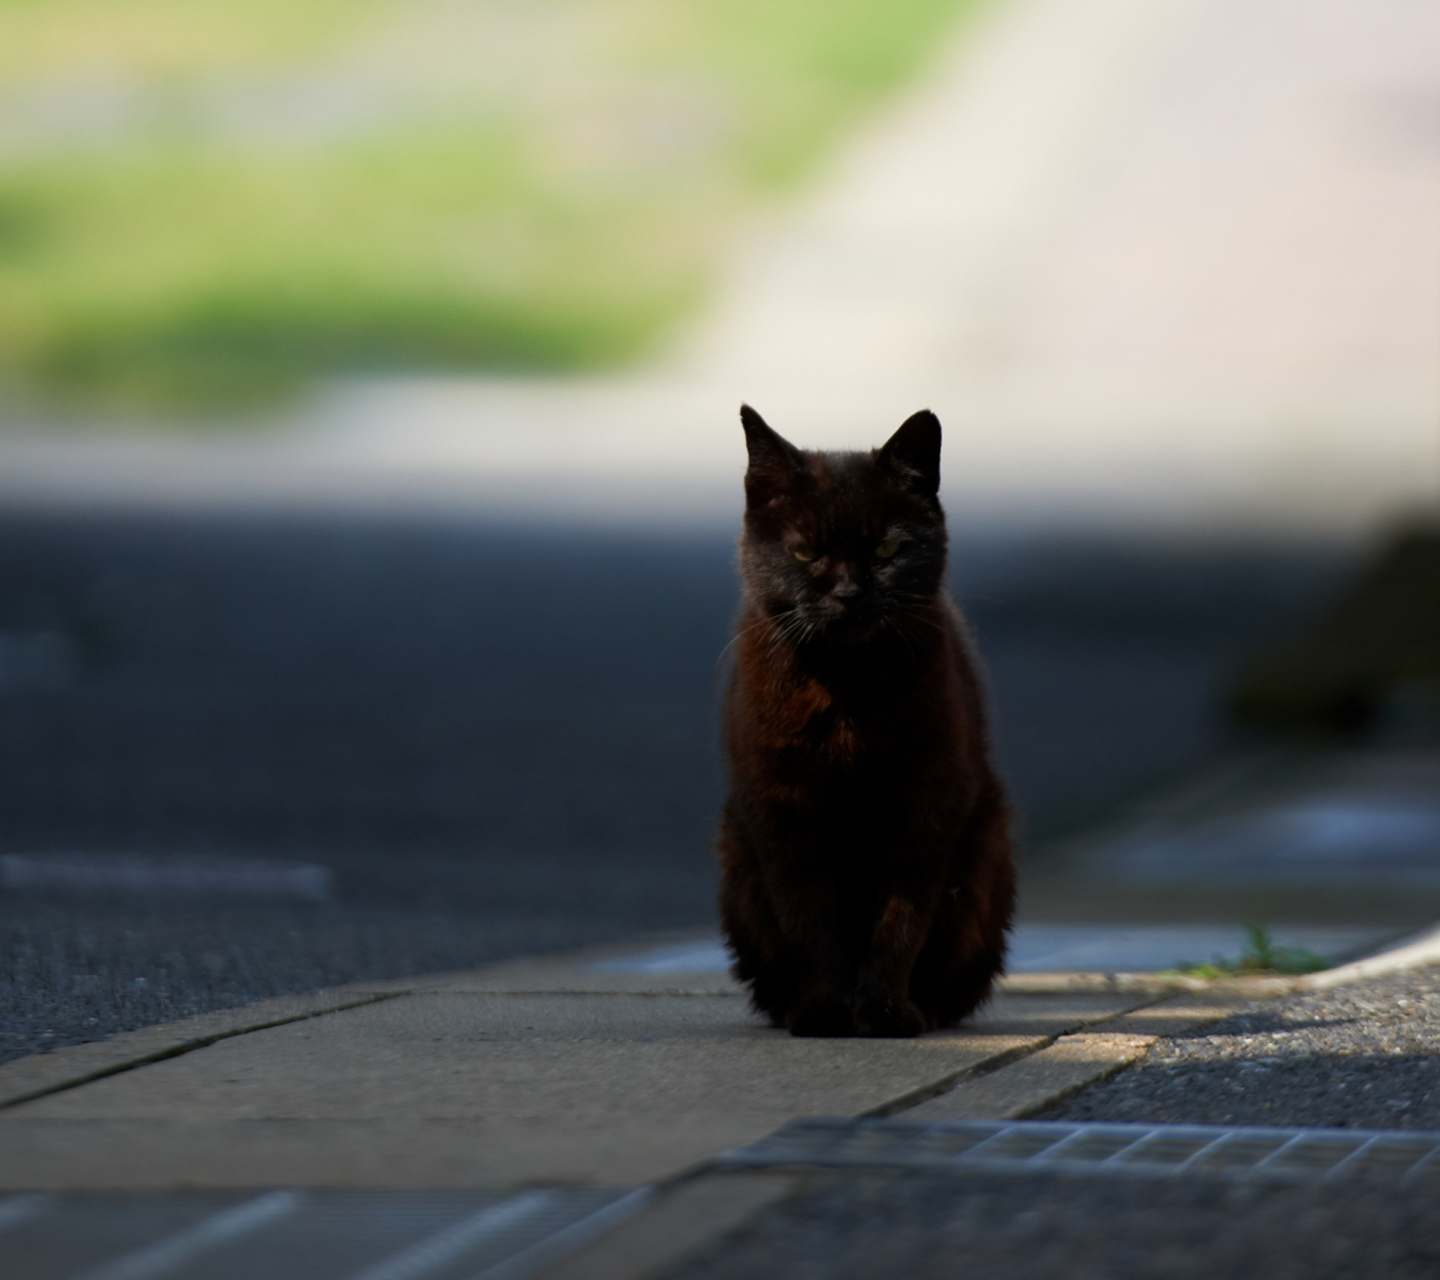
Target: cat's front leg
[
  {"x": 821, "y": 1011},
  {"x": 822, "y": 1004},
  {"x": 882, "y": 993},
  {"x": 809, "y": 963},
  {"x": 823, "y": 978}
]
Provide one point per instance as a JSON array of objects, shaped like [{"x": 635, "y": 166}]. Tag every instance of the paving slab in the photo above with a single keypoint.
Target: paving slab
[
  {"x": 574, "y": 1068},
  {"x": 1177, "y": 1014},
  {"x": 475, "y": 1087},
  {"x": 75, "y": 1064},
  {"x": 1038, "y": 1081}
]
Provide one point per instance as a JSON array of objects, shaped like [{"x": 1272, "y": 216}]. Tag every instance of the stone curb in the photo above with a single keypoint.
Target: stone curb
[
  {"x": 1142, "y": 984},
  {"x": 1410, "y": 953}
]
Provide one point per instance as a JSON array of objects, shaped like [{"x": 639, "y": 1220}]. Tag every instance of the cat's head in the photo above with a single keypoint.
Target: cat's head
[{"x": 844, "y": 546}]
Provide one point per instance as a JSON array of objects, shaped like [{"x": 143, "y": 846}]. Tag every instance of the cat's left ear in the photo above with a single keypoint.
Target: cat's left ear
[{"x": 913, "y": 453}]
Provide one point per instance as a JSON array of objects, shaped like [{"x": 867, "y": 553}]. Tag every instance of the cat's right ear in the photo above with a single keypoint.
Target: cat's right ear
[{"x": 774, "y": 461}]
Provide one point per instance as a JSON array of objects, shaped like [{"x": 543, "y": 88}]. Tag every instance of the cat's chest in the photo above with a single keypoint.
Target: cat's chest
[{"x": 813, "y": 723}]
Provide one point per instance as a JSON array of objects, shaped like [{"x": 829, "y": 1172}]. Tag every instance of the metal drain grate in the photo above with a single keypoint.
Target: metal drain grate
[
  {"x": 302, "y": 1235},
  {"x": 1134, "y": 1150}
]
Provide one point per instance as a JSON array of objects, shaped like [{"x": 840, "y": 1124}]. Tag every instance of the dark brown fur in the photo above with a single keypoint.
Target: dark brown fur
[{"x": 867, "y": 881}]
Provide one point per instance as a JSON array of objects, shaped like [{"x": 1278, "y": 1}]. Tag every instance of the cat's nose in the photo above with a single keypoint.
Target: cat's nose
[{"x": 845, "y": 587}]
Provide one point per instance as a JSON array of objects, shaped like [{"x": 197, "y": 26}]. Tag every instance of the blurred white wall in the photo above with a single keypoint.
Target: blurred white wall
[
  {"x": 1170, "y": 257},
  {"x": 1150, "y": 260}
]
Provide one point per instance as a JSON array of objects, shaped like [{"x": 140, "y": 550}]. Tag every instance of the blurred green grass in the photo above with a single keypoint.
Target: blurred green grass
[{"x": 206, "y": 204}]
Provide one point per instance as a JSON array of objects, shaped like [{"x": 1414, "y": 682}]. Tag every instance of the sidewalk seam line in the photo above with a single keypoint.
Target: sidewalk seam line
[
  {"x": 1008, "y": 1057},
  {"x": 188, "y": 1046},
  {"x": 949, "y": 1083},
  {"x": 1050, "y": 1100}
]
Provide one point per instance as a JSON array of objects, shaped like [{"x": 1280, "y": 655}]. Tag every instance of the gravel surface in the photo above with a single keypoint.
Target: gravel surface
[
  {"x": 1363, "y": 1057},
  {"x": 876, "y": 1226},
  {"x": 499, "y": 740}
]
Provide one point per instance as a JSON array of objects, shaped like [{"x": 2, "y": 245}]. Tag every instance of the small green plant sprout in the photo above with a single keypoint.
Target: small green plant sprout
[
  {"x": 1260, "y": 956},
  {"x": 1188, "y": 969}
]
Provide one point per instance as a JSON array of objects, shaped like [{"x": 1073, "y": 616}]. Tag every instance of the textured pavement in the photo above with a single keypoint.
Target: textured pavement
[{"x": 1365, "y": 1056}]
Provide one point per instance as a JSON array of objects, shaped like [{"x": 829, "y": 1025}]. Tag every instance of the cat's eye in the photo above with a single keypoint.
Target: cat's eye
[
  {"x": 803, "y": 556},
  {"x": 887, "y": 548}
]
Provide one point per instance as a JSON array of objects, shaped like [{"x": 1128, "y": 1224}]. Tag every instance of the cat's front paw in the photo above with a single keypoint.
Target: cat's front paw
[
  {"x": 821, "y": 1018},
  {"x": 889, "y": 1019}
]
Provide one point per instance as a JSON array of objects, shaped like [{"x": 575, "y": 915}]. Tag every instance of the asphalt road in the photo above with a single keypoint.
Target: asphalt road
[{"x": 499, "y": 739}]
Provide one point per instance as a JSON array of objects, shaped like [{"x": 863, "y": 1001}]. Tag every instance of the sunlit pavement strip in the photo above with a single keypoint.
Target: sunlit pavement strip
[
  {"x": 1042, "y": 948},
  {"x": 135, "y": 873},
  {"x": 1349, "y": 820}
]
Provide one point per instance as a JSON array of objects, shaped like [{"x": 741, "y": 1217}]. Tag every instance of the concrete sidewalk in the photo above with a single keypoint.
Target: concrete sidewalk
[
  {"x": 541, "y": 1071},
  {"x": 559, "y": 1116},
  {"x": 556, "y": 1070}
]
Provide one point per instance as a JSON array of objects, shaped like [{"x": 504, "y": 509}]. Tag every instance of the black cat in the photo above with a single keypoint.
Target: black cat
[{"x": 867, "y": 876}]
